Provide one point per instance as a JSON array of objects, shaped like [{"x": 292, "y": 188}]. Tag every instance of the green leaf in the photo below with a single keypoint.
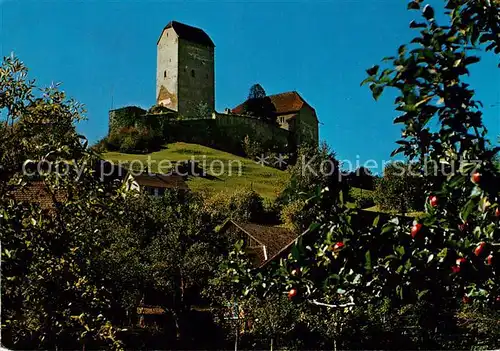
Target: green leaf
[
  {"x": 428, "y": 12},
  {"x": 375, "y": 221},
  {"x": 388, "y": 227},
  {"x": 422, "y": 293},
  {"x": 367, "y": 80},
  {"x": 413, "y": 5},
  {"x": 467, "y": 210},
  {"x": 471, "y": 60},
  {"x": 372, "y": 71},
  {"x": 402, "y": 119},
  {"x": 414, "y": 24},
  {"x": 398, "y": 150},
  {"x": 400, "y": 250},
  {"x": 442, "y": 254},
  {"x": 368, "y": 259},
  {"x": 376, "y": 90}
]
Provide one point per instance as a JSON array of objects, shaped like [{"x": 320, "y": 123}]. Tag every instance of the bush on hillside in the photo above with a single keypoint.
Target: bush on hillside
[
  {"x": 400, "y": 189},
  {"x": 362, "y": 199},
  {"x": 242, "y": 204},
  {"x": 134, "y": 140},
  {"x": 293, "y": 213}
]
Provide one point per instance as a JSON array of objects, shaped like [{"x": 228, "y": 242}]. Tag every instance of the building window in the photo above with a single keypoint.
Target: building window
[
  {"x": 164, "y": 74},
  {"x": 192, "y": 73}
]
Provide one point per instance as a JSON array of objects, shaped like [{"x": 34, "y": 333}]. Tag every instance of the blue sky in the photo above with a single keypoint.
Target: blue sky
[{"x": 105, "y": 49}]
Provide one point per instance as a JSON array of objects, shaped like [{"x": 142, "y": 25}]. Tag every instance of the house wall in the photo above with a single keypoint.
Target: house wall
[
  {"x": 167, "y": 67},
  {"x": 307, "y": 126},
  {"x": 196, "y": 77}
]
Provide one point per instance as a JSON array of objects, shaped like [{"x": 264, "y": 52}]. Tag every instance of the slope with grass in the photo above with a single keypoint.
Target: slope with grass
[{"x": 225, "y": 171}]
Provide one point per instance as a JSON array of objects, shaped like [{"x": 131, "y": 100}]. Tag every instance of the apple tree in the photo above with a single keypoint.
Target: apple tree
[
  {"x": 449, "y": 256},
  {"x": 51, "y": 296}
]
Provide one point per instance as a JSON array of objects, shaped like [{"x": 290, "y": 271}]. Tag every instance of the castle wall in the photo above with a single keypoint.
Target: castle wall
[
  {"x": 167, "y": 67},
  {"x": 127, "y": 116},
  {"x": 227, "y": 132},
  {"x": 196, "y": 77},
  {"x": 236, "y": 126}
]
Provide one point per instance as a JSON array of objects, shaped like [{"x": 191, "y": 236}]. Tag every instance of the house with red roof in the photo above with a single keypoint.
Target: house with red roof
[{"x": 292, "y": 113}]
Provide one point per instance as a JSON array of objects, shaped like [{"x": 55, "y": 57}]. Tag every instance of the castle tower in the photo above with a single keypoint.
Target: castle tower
[{"x": 185, "y": 73}]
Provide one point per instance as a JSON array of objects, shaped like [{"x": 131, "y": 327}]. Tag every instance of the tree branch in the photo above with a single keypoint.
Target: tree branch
[{"x": 315, "y": 302}]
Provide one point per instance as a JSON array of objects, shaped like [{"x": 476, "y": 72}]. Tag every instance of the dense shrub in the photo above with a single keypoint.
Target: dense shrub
[
  {"x": 134, "y": 140},
  {"x": 252, "y": 148},
  {"x": 362, "y": 199},
  {"x": 292, "y": 214},
  {"x": 242, "y": 204},
  {"x": 400, "y": 189}
]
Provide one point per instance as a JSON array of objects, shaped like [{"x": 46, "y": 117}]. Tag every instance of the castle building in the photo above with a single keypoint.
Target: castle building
[
  {"x": 292, "y": 113},
  {"x": 185, "y": 74},
  {"x": 185, "y": 88}
]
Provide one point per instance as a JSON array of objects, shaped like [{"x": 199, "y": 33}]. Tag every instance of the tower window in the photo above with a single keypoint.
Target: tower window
[
  {"x": 164, "y": 74},
  {"x": 192, "y": 73}
]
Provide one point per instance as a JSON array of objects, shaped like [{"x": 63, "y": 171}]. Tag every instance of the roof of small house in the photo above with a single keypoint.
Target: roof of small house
[
  {"x": 150, "y": 310},
  {"x": 284, "y": 103},
  {"x": 155, "y": 180},
  {"x": 37, "y": 192},
  {"x": 193, "y": 34},
  {"x": 275, "y": 239}
]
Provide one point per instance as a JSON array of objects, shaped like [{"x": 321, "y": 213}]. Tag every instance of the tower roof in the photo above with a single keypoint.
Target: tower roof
[{"x": 193, "y": 34}]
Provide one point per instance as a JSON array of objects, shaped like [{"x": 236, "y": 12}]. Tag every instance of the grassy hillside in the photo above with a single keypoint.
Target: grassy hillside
[{"x": 266, "y": 181}]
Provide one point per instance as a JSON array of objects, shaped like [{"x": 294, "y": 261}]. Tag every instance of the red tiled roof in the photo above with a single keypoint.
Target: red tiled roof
[
  {"x": 37, "y": 192},
  {"x": 161, "y": 181},
  {"x": 150, "y": 310},
  {"x": 275, "y": 239},
  {"x": 284, "y": 103},
  {"x": 193, "y": 34}
]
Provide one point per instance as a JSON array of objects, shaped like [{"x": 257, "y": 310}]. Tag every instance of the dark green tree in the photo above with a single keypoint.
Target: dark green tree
[
  {"x": 258, "y": 104},
  {"x": 51, "y": 296},
  {"x": 400, "y": 189},
  {"x": 448, "y": 258}
]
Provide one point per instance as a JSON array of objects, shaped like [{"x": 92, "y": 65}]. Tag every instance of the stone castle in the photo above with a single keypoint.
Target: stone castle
[{"x": 185, "y": 80}]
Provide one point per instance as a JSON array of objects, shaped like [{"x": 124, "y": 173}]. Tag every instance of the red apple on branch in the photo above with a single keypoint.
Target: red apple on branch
[
  {"x": 489, "y": 260},
  {"x": 292, "y": 293},
  {"x": 479, "y": 250},
  {"x": 338, "y": 246},
  {"x": 476, "y": 178},
  {"x": 415, "y": 229},
  {"x": 433, "y": 200}
]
